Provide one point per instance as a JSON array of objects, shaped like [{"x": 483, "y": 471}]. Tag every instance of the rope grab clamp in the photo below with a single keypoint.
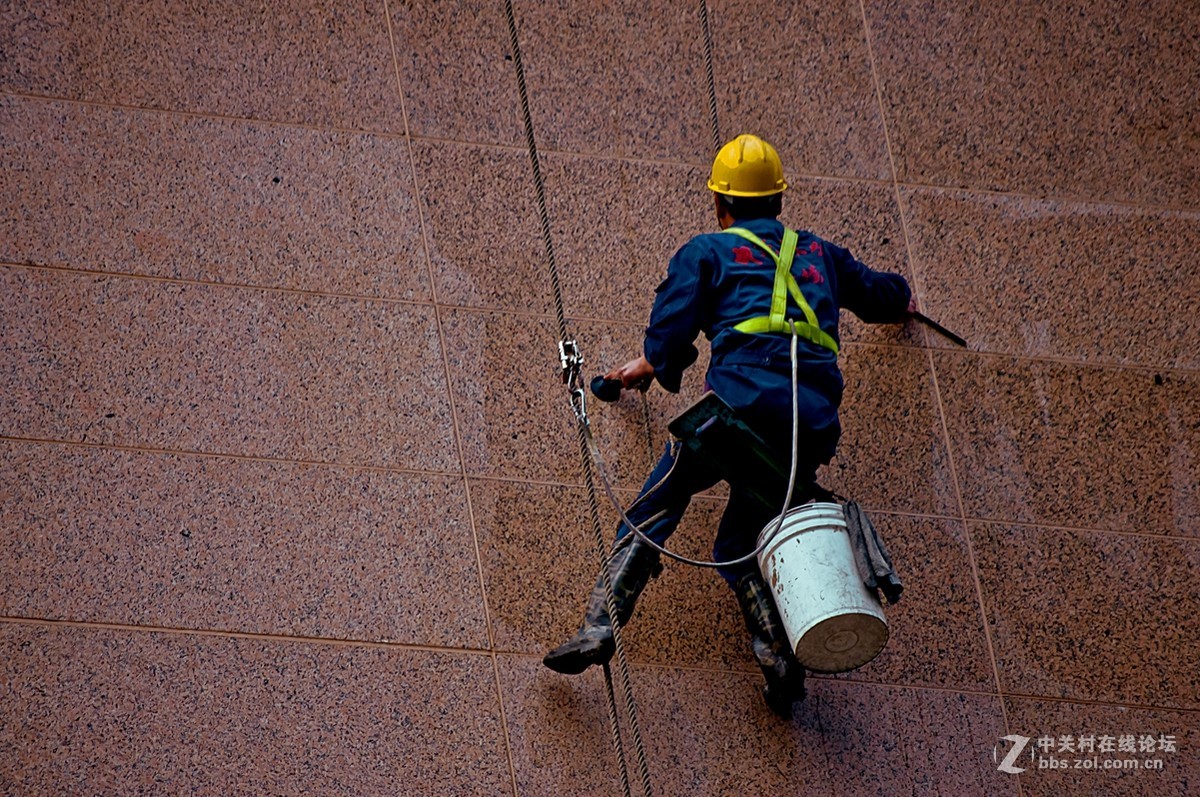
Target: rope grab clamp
[{"x": 570, "y": 359}]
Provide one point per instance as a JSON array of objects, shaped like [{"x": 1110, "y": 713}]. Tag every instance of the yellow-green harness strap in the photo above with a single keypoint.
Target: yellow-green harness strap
[{"x": 785, "y": 283}]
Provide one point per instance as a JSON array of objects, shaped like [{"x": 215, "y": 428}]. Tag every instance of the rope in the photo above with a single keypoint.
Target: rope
[
  {"x": 539, "y": 182},
  {"x": 708, "y": 73},
  {"x": 706, "y": 34},
  {"x": 764, "y": 539},
  {"x": 585, "y": 433},
  {"x": 614, "y": 726},
  {"x": 646, "y": 426},
  {"x": 567, "y": 346}
]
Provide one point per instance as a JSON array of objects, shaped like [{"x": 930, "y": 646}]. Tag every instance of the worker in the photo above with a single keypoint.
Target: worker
[{"x": 724, "y": 285}]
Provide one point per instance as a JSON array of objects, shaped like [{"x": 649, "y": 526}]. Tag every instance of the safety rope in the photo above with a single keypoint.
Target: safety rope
[
  {"x": 571, "y": 361},
  {"x": 708, "y": 73},
  {"x": 764, "y": 539}
]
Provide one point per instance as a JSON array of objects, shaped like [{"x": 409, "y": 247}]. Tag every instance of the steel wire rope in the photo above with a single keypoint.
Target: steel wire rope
[
  {"x": 706, "y": 35},
  {"x": 583, "y": 435},
  {"x": 708, "y": 73}
]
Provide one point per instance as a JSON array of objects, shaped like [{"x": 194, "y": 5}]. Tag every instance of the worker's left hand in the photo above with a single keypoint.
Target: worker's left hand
[{"x": 633, "y": 374}]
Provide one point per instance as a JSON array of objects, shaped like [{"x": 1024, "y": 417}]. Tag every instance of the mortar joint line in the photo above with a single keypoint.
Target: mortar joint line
[
  {"x": 559, "y": 484},
  {"x": 933, "y": 375},
  {"x": 1150, "y": 207},
  {"x": 222, "y": 633},
  {"x": 587, "y": 319},
  {"x": 418, "y": 195}
]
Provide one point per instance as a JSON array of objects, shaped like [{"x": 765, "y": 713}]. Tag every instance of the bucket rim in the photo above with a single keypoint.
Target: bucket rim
[{"x": 811, "y": 507}]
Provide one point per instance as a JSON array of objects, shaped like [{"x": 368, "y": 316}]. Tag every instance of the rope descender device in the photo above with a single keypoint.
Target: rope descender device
[{"x": 570, "y": 359}]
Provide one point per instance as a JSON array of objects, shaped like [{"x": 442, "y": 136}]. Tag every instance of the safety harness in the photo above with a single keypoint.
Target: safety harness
[{"x": 785, "y": 283}]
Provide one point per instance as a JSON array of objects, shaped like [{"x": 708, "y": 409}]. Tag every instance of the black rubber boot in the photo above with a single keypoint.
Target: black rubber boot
[
  {"x": 631, "y": 566},
  {"x": 768, "y": 640}
]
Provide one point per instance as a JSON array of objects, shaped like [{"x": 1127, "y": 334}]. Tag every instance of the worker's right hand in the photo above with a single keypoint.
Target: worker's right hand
[{"x": 633, "y": 374}]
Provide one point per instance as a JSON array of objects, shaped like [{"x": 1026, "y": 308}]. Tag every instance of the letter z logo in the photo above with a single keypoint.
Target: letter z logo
[{"x": 1019, "y": 743}]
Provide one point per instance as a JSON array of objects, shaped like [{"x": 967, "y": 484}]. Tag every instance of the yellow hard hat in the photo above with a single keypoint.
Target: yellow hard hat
[{"x": 747, "y": 166}]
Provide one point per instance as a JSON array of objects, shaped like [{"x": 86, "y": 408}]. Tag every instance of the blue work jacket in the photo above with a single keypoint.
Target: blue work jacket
[{"x": 718, "y": 280}]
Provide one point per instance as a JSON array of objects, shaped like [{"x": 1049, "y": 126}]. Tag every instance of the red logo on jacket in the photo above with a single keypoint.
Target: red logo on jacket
[
  {"x": 745, "y": 255},
  {"x": 811, "y": 274}
]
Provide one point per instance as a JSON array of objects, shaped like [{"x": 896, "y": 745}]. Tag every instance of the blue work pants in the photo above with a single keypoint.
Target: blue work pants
[{"x": 681, "y": 474}]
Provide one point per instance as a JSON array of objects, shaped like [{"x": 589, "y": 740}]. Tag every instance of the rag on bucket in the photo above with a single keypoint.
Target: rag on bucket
[{"x": 871, "y": 555}]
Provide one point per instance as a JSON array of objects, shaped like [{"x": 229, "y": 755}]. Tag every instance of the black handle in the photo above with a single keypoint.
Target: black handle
[
  {"x": 606, "y": 389},
  {"x": 924, "y": 319}
]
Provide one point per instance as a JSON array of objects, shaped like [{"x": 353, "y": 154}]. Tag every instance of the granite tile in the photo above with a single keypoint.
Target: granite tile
[
  {"x": 937, "y": 635},
  {"x": 260, "y": 547},
  {"x": 558, "y": 730},
  {"x": 570, "y": 59},
  {"x": 597, "y": 82},
  {"x": 996, "y": 96},
  {"x": 866, "y": 220},
  {"x": 514, "y": 414},
  {"x": 128, "y": 191},
  {"x": 799, "y": 75},
  {"x": 482, "y": 225},
  {"x": 456, "y": 70},
  {"x": 538, "y": 555},
  {"x": 892, "y": 454},
  {"x": 1069, "y": 445},
  {"x": 1055, "y": 279},
  {"x": 316, "y": 63},
  {"x": 1089, "y": 615},
  {"x": 132, "y": 362},
  {"x": 616, "y": 225},
  {"x": 1046, "y": 723},
  {"x": 540, "y": 562},
  {"x": 662, "y": 97},
  {"x": 112, "y": 712},
  {"x": 708, "y": 733},
  {"x": 689, "y": 617}
]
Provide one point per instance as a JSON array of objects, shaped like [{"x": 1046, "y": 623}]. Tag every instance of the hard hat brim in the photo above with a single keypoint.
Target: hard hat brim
[{"x": 732, "y": 192}]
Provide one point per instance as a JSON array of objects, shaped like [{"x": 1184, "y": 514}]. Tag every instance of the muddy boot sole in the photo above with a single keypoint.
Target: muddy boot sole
[{"x": 582, "y": 652}]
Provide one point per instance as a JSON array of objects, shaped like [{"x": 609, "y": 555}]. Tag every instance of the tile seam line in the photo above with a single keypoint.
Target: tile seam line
[
  {"x": 1066, "y": 199},
  {"x": 1108, "y": 365},
  {"x": 500, "y": 478},
  {"x": 1100, "y": 703},
  {"x": 418, "y": 195},
  {"x": 245, "y": 635},
  {"x": 185, "y": 452},
  {"x": 623, "y": 322},
  {"x": 516, "y": 148},
  {"x": 971, "y": 556},
  {"x": 201, "y": 283},
  {"x": 937, "y": 394},
  {"x": 202, "y": 115},
  {"x": 453, "y": 650},
  {"x": 749, "y": 673},
  {"x": 1029, "y": 524},
  {"x": 831, "y": 679}
]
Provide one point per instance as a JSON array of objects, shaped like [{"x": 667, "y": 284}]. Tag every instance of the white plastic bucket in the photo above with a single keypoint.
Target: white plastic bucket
[{"x": 833, "y": 622}]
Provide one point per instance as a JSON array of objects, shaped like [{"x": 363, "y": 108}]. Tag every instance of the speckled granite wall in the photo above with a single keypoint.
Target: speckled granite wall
[{"x": 289, "y": 495}]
